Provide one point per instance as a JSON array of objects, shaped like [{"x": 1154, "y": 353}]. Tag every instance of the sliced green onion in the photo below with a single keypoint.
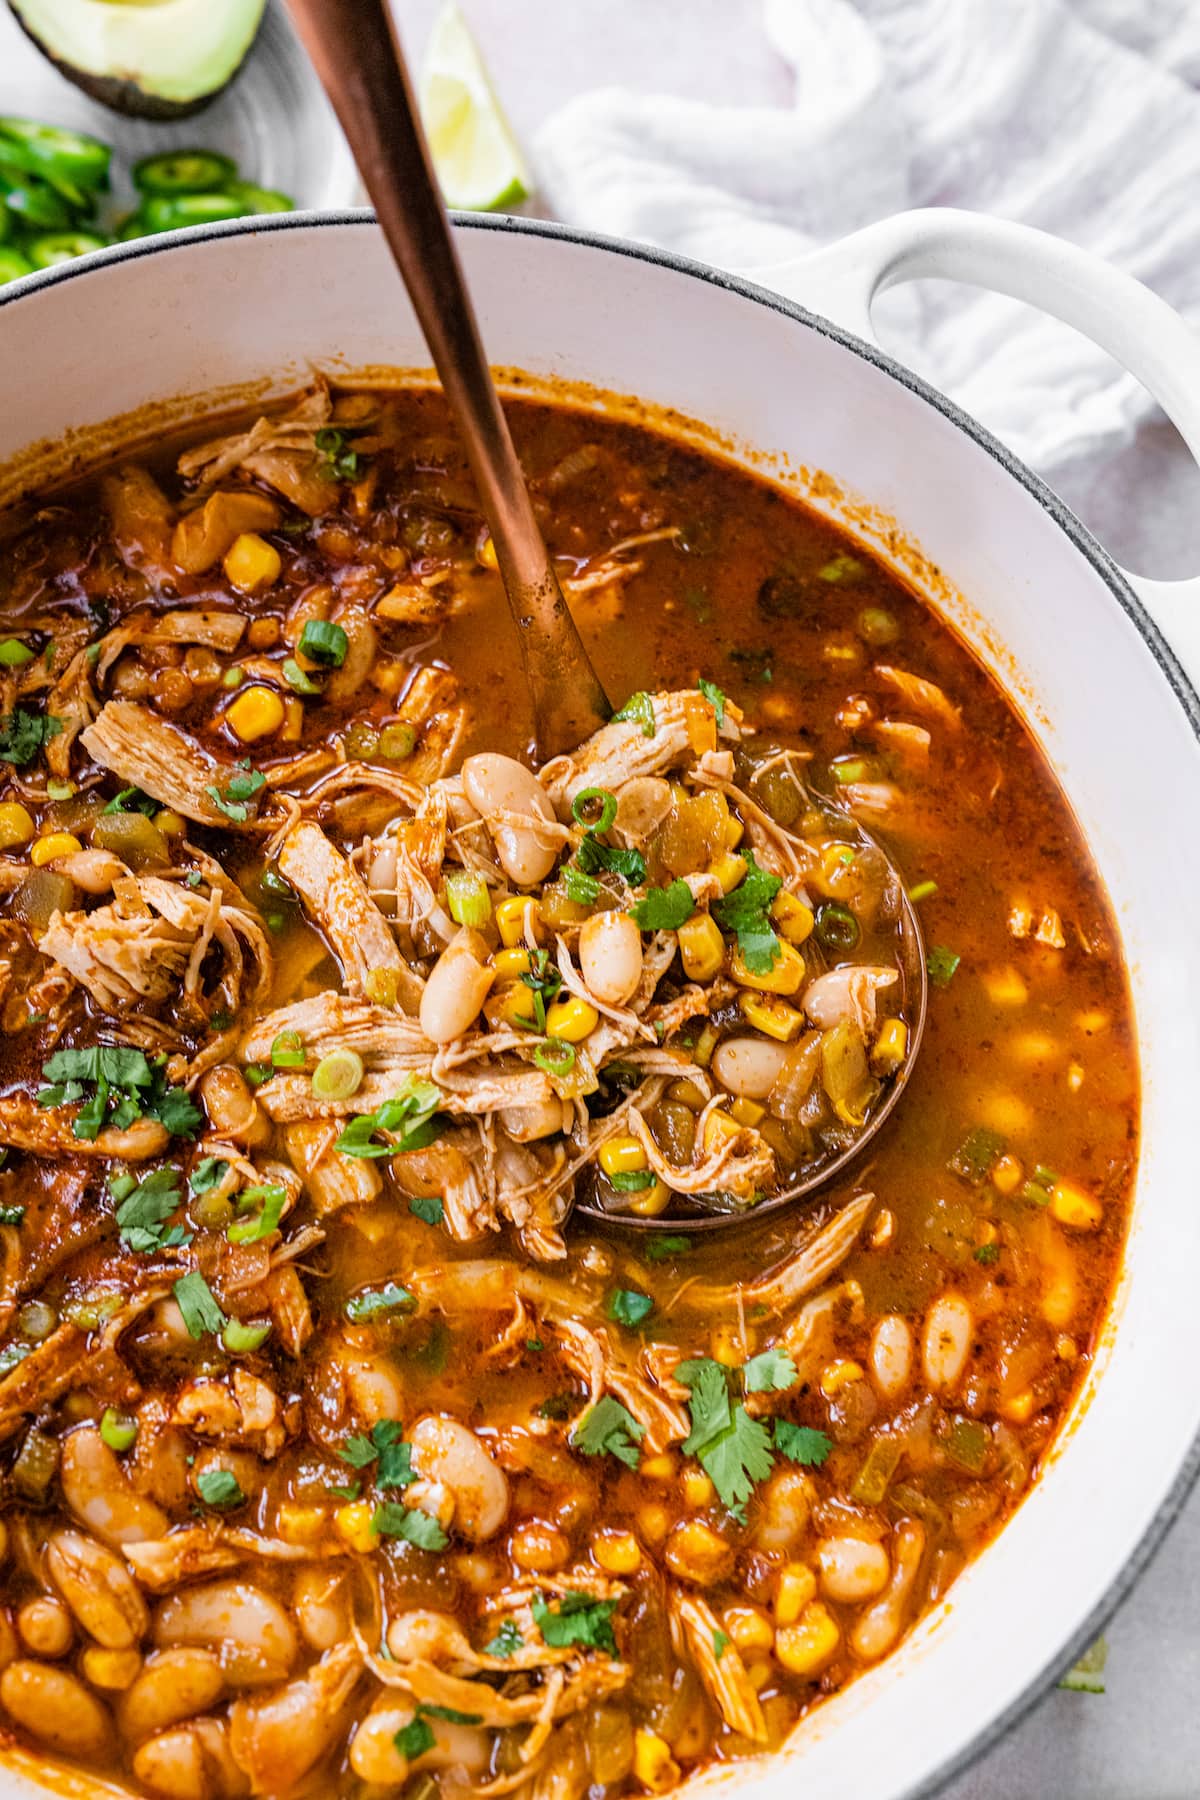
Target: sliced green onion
[
  {"x": 584, "y": 804},
  {"x": 14, "y": 654},
  {"x": 261, "y": 1208},
  {"x": 117, "y": 1429},
  {"x": 232, "y": 678},
  {"x": 298, "y": 679},
  {"x": 60, "y": 790},
  {"x": 36, "y": 1320},
  {"x": 841, "y": 567},
  {"x": 1037, "y": 1189},
  {"x": 941, "y": 964},
  {"x": 876, "y": 626},
  {"x": 288, "y": 1052},
  {"x": 924, "y": 890},
  {"x": 324, "y": 642},
  {"x": 554, "y": 1057},
  {"x": 975, "y": 1156},
  {"x": 243, "y": 1335},
  {"x": 338, "y": 1075},
  {"x": 397, "y": 742},
  {"x": 847, "y": 769},
  {"x": 836, "y": 927},
  {"x": 468, "y": 898},
  {"x": 256, "y": 1074}
]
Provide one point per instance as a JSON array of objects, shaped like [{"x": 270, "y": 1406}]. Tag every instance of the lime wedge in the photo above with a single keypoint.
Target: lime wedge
[{"x": 477, "y": 158}]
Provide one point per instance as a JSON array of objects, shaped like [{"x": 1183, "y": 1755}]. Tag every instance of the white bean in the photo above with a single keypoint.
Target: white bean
[
  {"x": 98, "y": 1588},
  {"x": 45, "y": 1627},
  {"x": 525, "y": 1124},
  {"x": 100, "y": 1494},
  {"x": 852, "y": 1568},
  {"x": 250, "y": 1632},
  {"x": 878, "y": 1628},
  {"x": 449, "y": 1454},
  {"x": 278, "y": 1737},
  {"x": 748, "y": 1066},
  {"x": 56, "y": 1708},
  {"x": 232, "y": 1109},
  {"x": 847, "y": 993},
  {"x": 193, "y": 1762},
  {"x": 92, "y": 870},
  {"x": 499, "y": 784},
  {"x": 319, "y": 1603},
  {"x": 610, "y": 956},
  {"x": 787, "y": 1500},
  {"x": 456, "y": 989},
  {"x": 172, "y": 1685},
  {"x": 426, "y": 1636},
  {"x": 946, "y": 1340},
  {"x": 891, "y": 1355},
  {"x": 376, "y": 1760}
]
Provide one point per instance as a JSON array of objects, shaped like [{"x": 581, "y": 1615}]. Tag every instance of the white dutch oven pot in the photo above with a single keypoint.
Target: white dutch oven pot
[{"x": 1092, "y": 655}]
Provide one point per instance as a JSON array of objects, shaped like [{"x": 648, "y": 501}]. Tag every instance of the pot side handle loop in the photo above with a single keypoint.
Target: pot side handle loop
[{"x": 1143, "y": 333}]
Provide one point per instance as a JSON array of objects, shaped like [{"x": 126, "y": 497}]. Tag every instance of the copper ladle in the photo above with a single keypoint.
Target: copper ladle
[{"x": 356, "y": 52}]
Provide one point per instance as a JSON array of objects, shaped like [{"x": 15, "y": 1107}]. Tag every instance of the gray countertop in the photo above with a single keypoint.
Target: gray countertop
[{"x": 1140, "y": 1740}]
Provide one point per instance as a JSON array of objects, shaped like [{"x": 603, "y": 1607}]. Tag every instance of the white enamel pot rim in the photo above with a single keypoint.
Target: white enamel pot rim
[{"x": 633, "y": 320}]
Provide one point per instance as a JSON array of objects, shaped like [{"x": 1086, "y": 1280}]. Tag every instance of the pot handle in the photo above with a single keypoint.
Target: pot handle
[{"x": 1143, "y": 333}]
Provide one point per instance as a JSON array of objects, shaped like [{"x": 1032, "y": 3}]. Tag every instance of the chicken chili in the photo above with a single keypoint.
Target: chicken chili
[{"x": 338, "y": 1453}]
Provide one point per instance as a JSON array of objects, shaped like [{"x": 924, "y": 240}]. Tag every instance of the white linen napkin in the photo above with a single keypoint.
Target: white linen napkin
[{"x": 1074, "y": 115}]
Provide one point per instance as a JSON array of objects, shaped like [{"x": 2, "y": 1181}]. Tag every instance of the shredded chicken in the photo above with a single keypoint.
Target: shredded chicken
[{"x": 150, "y": 753}]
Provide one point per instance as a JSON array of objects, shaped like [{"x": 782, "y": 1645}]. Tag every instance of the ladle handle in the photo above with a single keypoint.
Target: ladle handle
[{"x": 356, "y": 52}]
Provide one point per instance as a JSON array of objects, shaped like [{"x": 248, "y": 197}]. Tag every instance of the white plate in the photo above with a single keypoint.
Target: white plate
[{"x": 273, "y": 119}]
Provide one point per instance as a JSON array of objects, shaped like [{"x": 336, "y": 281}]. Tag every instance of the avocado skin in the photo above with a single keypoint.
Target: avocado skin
[{"x": 124, "y": 96}]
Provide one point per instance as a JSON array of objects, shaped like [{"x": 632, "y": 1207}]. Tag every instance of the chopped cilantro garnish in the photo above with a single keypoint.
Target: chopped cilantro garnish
[
  {"x": 239, "y": 789},
  {"x": 219, "y": 1487},
  {"x": 721, "y": 1643},
  {"x": 769, "y": 1372},
  {"x": 941, "y": 964},
  {"x": 371, "y": 1302},
  {"x": 638, "y": 710},
  {"x": 745, "y": 911},
  {"x": 124, "y": 1087},
  {"x": 987, "y": 1254},
  {"x": 593, "y": 857},
  {"x": 712, "y": 692},
  {"x": 507, "y": 1641},
  {"x": 733, "y": 1449},
  {"x": 415, "y": 1738},
  {"x": 801, "y": 1444},
  {"x": 428, "y": 1207},
  {"x": 609, "y": 1428},
  {"x": 24, "y": 734},
  {"x": 578, "y": 1619},
  {"x": 450, "y": 1714},
  {"x": 145, "y": 1209},
  {"x": 208, "y": 1173},
  {"x": 659, "y": 1249},
  {"x": 664, "y": 909},
  {"x": 581, "y": 888},
  {"x": 628, "y": 1307},
  {"x": 410, "y": 1523},
  {"x": 386, "y": 1449},
  {"x": 198, "y": 1305},
  {"x": 408, "y": 1116}
]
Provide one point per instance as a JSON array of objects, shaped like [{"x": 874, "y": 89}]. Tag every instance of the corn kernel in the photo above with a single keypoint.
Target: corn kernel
[
  {"x": 1018, "y": 1410},
  {"x": 890, "y": 1047},
  {"x": 697, "y": 1488},
  {"x": 658, "y": 1468},
  {"x": 170, "y": 823},
  {"x": 647, "y": 1203},
  {"x": 485, "y": 555},
  {"x": 793, "y": 920},
  {"x": 1072, "y": 1207},
  {"x": 783, "y": 977},
  {"x": 734, "y": 831},
  {"x": 511, "y": 1006},
  {"x": 251, "y": 563},
  {"x": 1059, "y": 1297},
  {"x": 701, "y": 947},
  {"x": 748, "y": 1628},
  {"x": 653, "y": 1763},
  {"x": 1065, "y": 1348},
  {"x": 838, "y": 1375},
  {"x": 256, "y": 713},
  {"x": 16, "y": 825},
  {"x": 774, "y": 1018},
  {"x": 654, "y": 1521},
  {"x": 758, "y": 1673},
  {"x": 353, "y": 1525},
  {"x": 1004, "y": 987},
  {"x": 695, "y": 1552},
  {"x": 729, "y": 870},
  {"x": 293, "y": 720},
  {"x": 617, "y": 1552},
  {"x": 1006, "y": 1113},
  {"x": 513, "y": 917},
  {"x": 622, "y": 1155},
  {"x": 705, "y": 1044},
  {"x": 571, "y": 1020},
  {"x": 53, "y": 845},
  {"x": 728, "y": 1347},
  {"x": 1007, "y": 1175},
  {"x": 747, "y": 1112},
  {"x": 719, "y": 1127},
  {"x": 797, "y": 1586},
  {"x": 985, "y": 1233},
  {"x": 805, "y": 1647},
  {"x": 510, "y": 965},
  {"x": 114, "y": 1670},
  {"x": 303, "y": 1525}
]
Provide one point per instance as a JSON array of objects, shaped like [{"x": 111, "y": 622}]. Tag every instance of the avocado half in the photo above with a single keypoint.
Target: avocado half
[{"x": 148, "y": 59}]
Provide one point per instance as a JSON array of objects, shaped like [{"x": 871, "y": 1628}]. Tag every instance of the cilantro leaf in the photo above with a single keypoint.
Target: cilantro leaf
[
  {"x": 409, "y": 1523},
  {"x": 660, "y": 1248},
  {"x": 987, "y": 1254},
  {"x": 240, "y": 788},
  {"x": 450, "y": 1714},
  {"x": 174, "y": 1108},
  {"x": 415, "y": 1738},
  {"x": 24, "y": 734},
  {"x": 593, "y": 857},
  {"x": 219, "y": 1487},
  {"x": 709, "y": 1404},
  {"x": 608, "y": 1427},
  {"x": 101, "y": 1062},
  {"x": 801, "y": 1444},
  {"x": 733, "y": 1449},
  {"x": 198, "y": 1305},
  {"x": 358, "y": 1450},
  {"x": 368, "y": 1304},
  {"x": 664, "y": 909},
  {"x": 208, "y": 1173},
  {"x": 769, "y": 1372},
  {"x": 721, "y": 1643},
  {"x": 941, "y": 964},
  {"x": 408, "y": 1115},
  {"x": 142, "y": 1215},
  {"x": 428, "y": 1207},
  {"x": 384, "y": 1447},
  {"x": 580, "y": 887},
  {"x": 638, "y": 710},
  {"x": 744, "y": 911},
  {"x": 577, "y": 1620},
  {"x": 629, "y": 1307},
  {"x": 712, "y": 693},
  {"x": 507, "y": 1641}
]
